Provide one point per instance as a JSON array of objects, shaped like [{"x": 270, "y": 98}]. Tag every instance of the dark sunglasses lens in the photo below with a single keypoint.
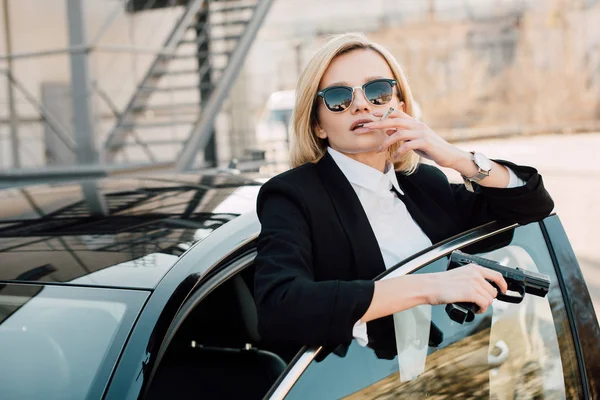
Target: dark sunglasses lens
[
  {"x": 338, "y": 99},
  {"x": 379, "y": 92}
]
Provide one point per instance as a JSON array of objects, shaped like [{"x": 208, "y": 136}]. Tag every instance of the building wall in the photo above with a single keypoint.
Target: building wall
[{"x": 490, "y": 66}]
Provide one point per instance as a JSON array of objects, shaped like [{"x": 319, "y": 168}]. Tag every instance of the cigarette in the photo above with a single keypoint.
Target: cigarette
[{"x": 387, "y": 113}]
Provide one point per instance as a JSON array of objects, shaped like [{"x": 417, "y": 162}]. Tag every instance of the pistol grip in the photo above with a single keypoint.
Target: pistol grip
[{"x": 461, "y": 312}]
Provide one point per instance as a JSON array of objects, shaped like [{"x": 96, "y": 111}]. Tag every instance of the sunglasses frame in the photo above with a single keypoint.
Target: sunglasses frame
[{"x": 321, "y": 93}]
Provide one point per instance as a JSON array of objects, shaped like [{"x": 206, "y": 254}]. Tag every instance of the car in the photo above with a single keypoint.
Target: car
[{"x": 124, "y": 288}]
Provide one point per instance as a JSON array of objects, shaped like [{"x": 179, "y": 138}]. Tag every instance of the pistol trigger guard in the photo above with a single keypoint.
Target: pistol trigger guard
[{"x": 513, "y": 299}]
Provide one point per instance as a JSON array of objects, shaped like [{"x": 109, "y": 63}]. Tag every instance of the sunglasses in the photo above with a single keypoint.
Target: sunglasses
[{"x": 340, "y": 98}]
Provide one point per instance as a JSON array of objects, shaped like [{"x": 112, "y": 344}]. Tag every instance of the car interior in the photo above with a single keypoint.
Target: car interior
[{"x": 218, "y": 350}]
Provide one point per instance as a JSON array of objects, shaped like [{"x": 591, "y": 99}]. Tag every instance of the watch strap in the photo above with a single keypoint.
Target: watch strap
[
  {"x": 468, "y": 184},
  {"x": 481, "y": 174}
]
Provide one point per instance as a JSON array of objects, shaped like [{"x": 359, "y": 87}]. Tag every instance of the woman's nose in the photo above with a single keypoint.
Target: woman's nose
[{"x": 360, "y": 102}]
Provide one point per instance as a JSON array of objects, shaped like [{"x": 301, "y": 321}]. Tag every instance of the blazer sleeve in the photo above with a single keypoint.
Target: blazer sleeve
[
  {"x": 292, "y": 306},
  {"x": 524, "y": 204}
]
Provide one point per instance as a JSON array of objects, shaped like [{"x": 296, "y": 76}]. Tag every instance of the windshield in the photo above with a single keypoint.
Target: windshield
[{"x": 61, "y": 342}]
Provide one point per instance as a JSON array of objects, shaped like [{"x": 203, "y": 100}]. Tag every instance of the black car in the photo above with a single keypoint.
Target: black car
[{"x": 142, "y": 288}]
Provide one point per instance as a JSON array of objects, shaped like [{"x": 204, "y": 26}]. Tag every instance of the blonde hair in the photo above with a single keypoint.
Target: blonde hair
[{"x": 306, "y": 145}]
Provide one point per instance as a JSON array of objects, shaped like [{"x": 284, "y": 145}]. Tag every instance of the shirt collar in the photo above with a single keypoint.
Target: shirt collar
[
  {"x": 391, "y": 173},
  {"x": 365, "y": 176}
]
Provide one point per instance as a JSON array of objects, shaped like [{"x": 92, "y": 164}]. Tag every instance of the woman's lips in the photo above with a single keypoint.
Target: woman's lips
[{"x": 360, "y": 123}]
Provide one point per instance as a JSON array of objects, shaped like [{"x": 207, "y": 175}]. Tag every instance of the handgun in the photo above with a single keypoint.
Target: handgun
[{"x": 518, "y": 280}]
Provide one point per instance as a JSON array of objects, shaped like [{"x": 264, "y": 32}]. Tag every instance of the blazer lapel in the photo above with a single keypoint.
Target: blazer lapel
[
  {"x": 367, "y": 254},
  {"x": 422, "y": 214}
]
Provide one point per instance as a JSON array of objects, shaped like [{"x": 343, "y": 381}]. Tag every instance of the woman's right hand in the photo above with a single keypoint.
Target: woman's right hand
[{"x": 468, "y": 283}]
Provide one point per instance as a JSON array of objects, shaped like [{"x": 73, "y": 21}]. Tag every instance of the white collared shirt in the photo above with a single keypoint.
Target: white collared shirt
[{"x": 390, "y": 220}]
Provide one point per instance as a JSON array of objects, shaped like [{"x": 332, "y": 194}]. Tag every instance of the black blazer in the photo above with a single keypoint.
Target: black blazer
[{"x": 317, "y": 254}]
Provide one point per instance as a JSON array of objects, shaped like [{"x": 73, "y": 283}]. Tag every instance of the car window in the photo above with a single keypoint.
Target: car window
[
  {"x": 521, "y": 350},
  {"x": 54, "y": 340}
]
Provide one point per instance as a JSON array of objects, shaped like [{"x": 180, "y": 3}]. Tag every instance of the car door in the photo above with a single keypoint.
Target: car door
[{"x": 544, "y": 347}]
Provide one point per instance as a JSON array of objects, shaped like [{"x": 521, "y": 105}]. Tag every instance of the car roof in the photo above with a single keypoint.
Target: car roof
[{"x": 118, "y": 232}]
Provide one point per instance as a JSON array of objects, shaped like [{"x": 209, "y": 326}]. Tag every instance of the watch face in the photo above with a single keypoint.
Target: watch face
[{"x": 482, "y": 161}]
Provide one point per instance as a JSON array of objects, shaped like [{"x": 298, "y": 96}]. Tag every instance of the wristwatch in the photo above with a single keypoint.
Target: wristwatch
[{"x": 485, "y": 166}]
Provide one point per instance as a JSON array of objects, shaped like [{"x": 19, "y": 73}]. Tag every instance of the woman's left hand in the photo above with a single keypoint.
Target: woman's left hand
[{"x": 417, "y": 136}]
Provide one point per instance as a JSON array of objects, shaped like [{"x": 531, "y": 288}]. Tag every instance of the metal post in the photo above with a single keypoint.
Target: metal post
[
  {"x": 431, "y": 11},
  {"x": 81, "y": 88},
  {"x": 14, "y": 126},
  {"x": 210, "y": 152}
]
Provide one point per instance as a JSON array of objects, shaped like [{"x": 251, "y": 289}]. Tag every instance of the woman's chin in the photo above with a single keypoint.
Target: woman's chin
[
  {"x": 373, "y": 140},
  {"x": 371, "y": 137}
]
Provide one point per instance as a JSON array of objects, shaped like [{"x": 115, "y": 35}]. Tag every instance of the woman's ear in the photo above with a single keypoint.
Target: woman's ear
[
  {"x": 321, "y": 132},
  {"x": 403, "y": 106}
]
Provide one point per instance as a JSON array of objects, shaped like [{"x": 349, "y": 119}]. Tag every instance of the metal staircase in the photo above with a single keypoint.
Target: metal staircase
[{"x": 186, "y": 84}]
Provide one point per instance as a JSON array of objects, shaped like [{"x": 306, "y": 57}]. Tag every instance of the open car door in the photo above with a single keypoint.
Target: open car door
[{"x": 543, "y": 347}]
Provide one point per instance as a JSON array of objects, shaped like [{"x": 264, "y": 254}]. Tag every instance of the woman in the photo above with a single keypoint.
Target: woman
[{"x": 357, "y": 202}]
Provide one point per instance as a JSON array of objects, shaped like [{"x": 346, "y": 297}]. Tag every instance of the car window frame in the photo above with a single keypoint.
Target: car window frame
[
  {"x": 193, "y": 268},
  {"x": 226, "y": 271},
  {"x": 578, "y": 304},
  {"x": 307, "y": 355}
]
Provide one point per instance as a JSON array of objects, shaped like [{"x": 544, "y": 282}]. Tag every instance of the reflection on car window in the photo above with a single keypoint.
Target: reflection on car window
[
  {"x": 513, "y": 351},
  {"x": 421, "y": 370},
  {"x": 541, "y": 362},
  {"x": 58, "y": 337},
  {"x": 336, "y": 377}
]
